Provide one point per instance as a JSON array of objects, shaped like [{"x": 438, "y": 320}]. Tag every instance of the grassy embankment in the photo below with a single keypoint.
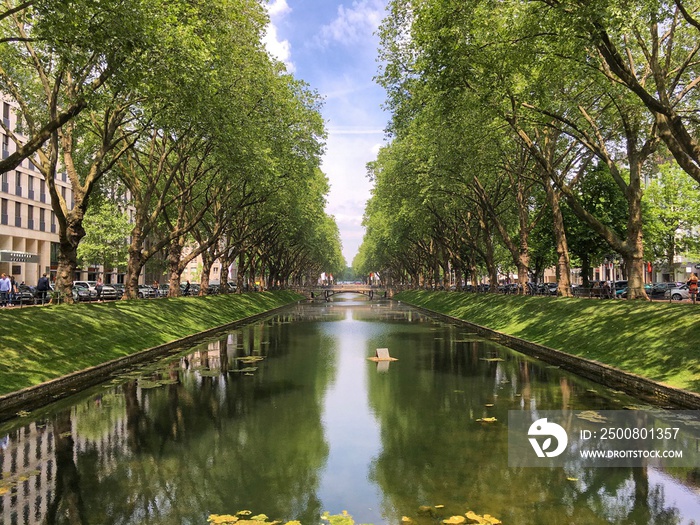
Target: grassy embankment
[
  {"x": 660, "y": 341},
  {"x": 42, "y": 343}
]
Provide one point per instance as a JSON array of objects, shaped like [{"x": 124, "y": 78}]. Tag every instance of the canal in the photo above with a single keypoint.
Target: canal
[{"x": 288, "y": 417}]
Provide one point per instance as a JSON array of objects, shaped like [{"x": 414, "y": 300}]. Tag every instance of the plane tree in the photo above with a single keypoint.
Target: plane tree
[
  {"x": 671, "y": 216},
  {"x": 516, "y": 60},
  {"x": 58, "y": 58},
  {"x": 650, "y": 48},
  {"x": 207, "y": 128}
]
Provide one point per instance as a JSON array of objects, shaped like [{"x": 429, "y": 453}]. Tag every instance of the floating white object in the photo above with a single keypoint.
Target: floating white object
[{"x": 382, "y": 354}]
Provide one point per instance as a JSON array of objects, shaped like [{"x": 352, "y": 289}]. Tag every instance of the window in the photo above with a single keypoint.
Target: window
[
  {"x": 42, "y": 219},
  {"x": 18, "y": 214},
  {"x": 18, "y": 183},
  {"x": 5, "y": 185},
  {"x": 55, "y": 252},
  {"x": 30, "y": 187},
  {"x": 4, "y": 219},
  {"x": 30, "y": 217},
  {"x": 42, "y": 191},
  {"x": 53, "y": 222},
  {"x": 5, "y": 146},
  {"x": 6, "y": 114}
]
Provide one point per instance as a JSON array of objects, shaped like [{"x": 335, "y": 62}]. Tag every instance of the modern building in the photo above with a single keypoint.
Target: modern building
[{"x": 28, "y": 229}]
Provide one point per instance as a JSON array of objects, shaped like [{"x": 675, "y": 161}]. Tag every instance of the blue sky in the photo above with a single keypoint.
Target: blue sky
[{"x": 331, "y": 44}]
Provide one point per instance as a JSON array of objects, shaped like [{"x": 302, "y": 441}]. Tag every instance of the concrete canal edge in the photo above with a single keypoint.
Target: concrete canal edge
[
  {"x": 37, "y": 396},
  {"x": 633, "y": 384}
]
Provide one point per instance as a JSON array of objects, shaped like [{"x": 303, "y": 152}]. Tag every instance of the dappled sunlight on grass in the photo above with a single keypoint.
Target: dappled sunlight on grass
[
  {"x": 656, "y": 340},
  {"x": 47, "y": 342}
]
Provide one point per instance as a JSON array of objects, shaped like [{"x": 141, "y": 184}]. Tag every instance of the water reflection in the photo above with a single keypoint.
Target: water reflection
[{"x": 287, "y": 417}]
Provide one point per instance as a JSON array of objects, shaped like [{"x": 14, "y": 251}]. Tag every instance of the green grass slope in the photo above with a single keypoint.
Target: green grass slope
[
  {"x": 660, "y": 341},
  {"x": 42, "y": 343}
]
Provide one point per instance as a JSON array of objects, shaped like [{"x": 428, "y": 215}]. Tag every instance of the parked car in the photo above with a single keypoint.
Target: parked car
[
  {"x": 620, "y": 285},
  {"x": 109, "y": 293},
  {"x": 24, "y": 296},
  {"x": 193, "y": 290},
  {"x": 119, "y": 287},
  {"x": 678, "y": 294},
  {"x": 547, "y": 288},
  {"x": 88, "y": 284},
  {"x": 622, "y": 294},
  {"x": 146, "y": 292},
  {"x": 82, "y": 292},
  {"x": 163, "y": 290},
  {"x": 658, "y": 290}
]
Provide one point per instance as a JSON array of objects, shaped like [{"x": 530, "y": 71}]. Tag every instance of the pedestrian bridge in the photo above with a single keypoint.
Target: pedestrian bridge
[{"x": 364, "y": 289}]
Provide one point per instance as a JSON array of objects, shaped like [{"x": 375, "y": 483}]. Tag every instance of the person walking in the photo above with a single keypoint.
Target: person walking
[
  {"x": 98, "y": 288},
  {"x": 5, "y": 287},
  {"x": 14, "y": 292},
  {"x": 42, "y": 287},
  {"x": 693, "y": 286}
]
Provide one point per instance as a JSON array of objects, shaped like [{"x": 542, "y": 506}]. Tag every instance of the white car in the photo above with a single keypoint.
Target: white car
[
  {"x": 108, "y": 291},
  {"x": 678, "y": 294}
]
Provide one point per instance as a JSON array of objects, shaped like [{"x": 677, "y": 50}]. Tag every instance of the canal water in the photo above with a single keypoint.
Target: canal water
[{"x": 288, "y": 417}]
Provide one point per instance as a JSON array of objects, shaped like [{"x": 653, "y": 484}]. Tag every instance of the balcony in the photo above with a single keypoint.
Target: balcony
[
  {"x": 5, "y": 187},
  {"x": 4, "y": 219},
  {"x": 18, "y": 191},
  {"x": 53, "y": 228},
  {"x": 5, "y": 153},
  {"x": 18, "y": 222},
  {"x": 30, "y": 224},
  {"x": 31, "y": 194},
  {"x": 42, "y": 226}
]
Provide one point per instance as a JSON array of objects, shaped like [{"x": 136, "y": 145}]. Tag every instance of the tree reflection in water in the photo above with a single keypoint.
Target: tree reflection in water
[
  {"x": 434, "y": 452},
  {"x": 191, "y": 436}
]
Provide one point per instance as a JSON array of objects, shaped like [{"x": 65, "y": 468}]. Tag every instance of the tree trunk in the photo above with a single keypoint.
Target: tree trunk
[
  {"x": 206, "y": 268},
  {"x": 239, "y": 278},
  {"x": 134, "y": 265},
  {"x": 70, "y": 234},
  {"x": 634, "y": 257},
  {"x": 174, "y": 256},
  {"x": 563, "y": 261}
]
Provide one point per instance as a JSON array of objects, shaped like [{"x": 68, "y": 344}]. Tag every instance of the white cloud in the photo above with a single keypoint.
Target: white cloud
[
  {"x": 278, "y": 8},
  {"x": 354, "y": 24},
  {"x": 344, "y": 163},
  {"x": 280, "y": 49}
]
